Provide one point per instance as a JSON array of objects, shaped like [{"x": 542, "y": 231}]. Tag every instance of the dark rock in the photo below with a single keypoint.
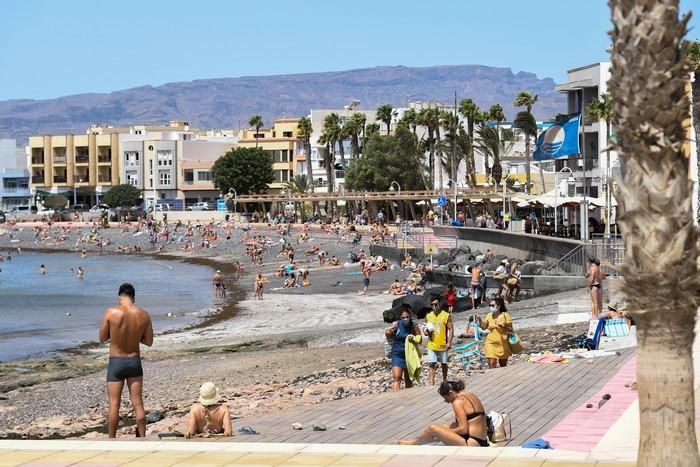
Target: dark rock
[
  {"x": 319, "y": 427},
  {"x": 154, "y": 416}
]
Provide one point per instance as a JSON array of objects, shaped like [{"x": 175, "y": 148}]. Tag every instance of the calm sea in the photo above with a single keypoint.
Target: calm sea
[{"x": 40, "y": 314}]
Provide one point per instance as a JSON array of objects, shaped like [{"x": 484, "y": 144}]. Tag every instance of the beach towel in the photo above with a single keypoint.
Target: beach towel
[
  {"x": 413, "y": 356},
  {"x": 616, "y": 327}
]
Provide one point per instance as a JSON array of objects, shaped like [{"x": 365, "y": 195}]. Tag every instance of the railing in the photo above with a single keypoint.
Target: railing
[
  {"x": 59, "y": 159},
  {"x": 104, "y": 159},
  {"x": 38, "y": 160},
  {"x": 82, "y": 159},
  {"x": 59, "y": 179},
  {"x": 575, "y": 263},
  {"x": 104, "y": 179}
]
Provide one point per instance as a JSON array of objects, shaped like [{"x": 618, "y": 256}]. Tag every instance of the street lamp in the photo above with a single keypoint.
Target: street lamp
[
  {"x": 232, "y": 191},
  {"x": 570, "y": 179},
  {"x": 391, "y": 187},
  {"x": 454, "y": 184}
]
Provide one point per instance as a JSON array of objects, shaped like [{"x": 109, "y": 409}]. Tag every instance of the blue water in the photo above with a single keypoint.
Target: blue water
[{"x": 40, "y": 314}]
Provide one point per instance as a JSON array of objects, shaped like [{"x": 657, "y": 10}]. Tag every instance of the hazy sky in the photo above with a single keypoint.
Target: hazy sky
[{"x": 52, "y": 48}]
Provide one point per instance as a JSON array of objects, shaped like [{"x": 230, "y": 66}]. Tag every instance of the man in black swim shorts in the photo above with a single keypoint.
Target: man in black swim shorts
[{"x": 126, "y": 327}]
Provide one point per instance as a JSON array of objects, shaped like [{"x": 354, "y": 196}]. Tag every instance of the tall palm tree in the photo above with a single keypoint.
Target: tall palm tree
[
  {"x": 328, "y": 160},
  {"x": 300, "y": 184},
  {"x": 386, "y": 113},
  {"x": 495, "y": 145},
  {"x": 371, "y": 129},
  {"x": 256, "y": 121},
  {"x": 353, "y": 130},
  {"x": 305, "y": 130},
  {"x": 430, "y": 118},
  {"x": 527, "y": 99},
  {"x": 496, "y": 115},
  {"x": 332, "y": 127},
  {"x": 410, "y": 118},
  {"x": 451, "y": 155},
  {"x": 601, "y": 109},
  {"x": 471, "y": 112},
  {"x": 661, "y": 240},
  {"x": 694, "y": 63}
]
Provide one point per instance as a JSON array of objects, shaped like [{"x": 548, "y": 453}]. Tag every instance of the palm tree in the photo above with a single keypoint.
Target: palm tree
[
  {"x": 496, "y": 115},
  {"x": 386, "y": 113},
  {"x": 331, "y": 126},
  {"x": 430, "y": 118},
  {"x": 470, "y": 111},
  {"x": 451, "y": 155},
  {"x": 495, "y": 145},
  {"x": 256, "y": 121},
  {"x": 300, "y": 184},
  {"x": 328, "y": 160},
  {"x": 370, "y": 130},
  {"x": 661, "y": 240},
  {"x": 527, "y": 99},
  {"x": 410, "y": 118},
  {"x": 352, "y": 131},
  {"x": 694, "y": 63},
  {"x": 360, "y": 119},
  {"x": 305, "y": 130},
  {"x": 601, "y": 109}
]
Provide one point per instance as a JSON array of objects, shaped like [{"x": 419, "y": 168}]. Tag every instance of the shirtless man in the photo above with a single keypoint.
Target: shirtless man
[
  {"x": 367, "y": 273},
  {"x": 218, "y": 284},
  {"x": 126, "y": 326}
]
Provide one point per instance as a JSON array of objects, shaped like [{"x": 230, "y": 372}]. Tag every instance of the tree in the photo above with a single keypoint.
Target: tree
[
  {"x": 650, "y": 114},
  {"x": 305, "y": 130},
  {"x": 386, "y": 113},
  {"x": 300, "y": 184},
  {"x": 58, "y": 202},
  {"x": 496, "y": 115},
  {"x": 430, "y": 118},
  {"x": 495, "y": 145},
  {"x": 371, "y": 129},
  {"x": 246, "y": 170},
  {"x": 352, "y": 130},
  {"x": 122, "y": 196},
  {"x": 359, "y": 119},
  {"x": 527, "y": 99},
  {"x": 256, "y": 121},
  {"x": 470, "y": 111},
  {"x": 411, "y": 120},
  {"x": 693, "y": 55},
  {"x": 601, "y": 109},
  {"x": 385, "y": 160}
]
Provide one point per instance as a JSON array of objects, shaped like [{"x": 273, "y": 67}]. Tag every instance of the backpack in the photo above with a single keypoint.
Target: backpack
[{"x": 496, "y": 428}]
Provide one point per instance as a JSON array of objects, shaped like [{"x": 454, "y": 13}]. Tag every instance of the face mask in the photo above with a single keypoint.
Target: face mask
[
  {"x": 492, "y": 308},
  {"x": 405, "y": 320}
]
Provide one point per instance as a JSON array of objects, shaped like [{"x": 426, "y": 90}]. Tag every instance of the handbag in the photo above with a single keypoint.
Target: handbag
[
  {"x": 514, "y": 342},
  {"x": 496, "y": 428}
]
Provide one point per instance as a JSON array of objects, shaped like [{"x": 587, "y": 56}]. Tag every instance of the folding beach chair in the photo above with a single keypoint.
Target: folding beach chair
[
  {"x": 465, "y": 352},
  {"x": 592, "y": 339},
  {"x": 616, "y": 327}
]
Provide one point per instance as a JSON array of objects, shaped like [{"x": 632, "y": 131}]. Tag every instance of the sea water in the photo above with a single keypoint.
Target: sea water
[{"x": 43, "y": 313}]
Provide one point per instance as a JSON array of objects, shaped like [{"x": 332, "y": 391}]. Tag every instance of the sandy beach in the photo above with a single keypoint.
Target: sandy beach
[{"x": 297, "y": 346}]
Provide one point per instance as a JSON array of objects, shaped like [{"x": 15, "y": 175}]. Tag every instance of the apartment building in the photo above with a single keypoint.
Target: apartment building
[
  {"x": 195, "y": 182},
  {"x": 282, "y": 142},
  {"x": 14, "y": 177},
  {"x": 82, "y": 167},
  {"x": 584, "y": 85}
]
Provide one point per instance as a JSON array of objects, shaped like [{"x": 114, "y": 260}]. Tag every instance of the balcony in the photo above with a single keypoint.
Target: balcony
[
  {"x": 104, "y": 155},
  {"x": 59, "y": 159},
  {"x": 38, "y": 178},
  {"x": 59, "y": 179},
  {"x": 37, "y": 156}
]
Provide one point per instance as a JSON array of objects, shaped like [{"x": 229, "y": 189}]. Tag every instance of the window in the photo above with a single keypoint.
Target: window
[
  {"x": 164, "y": 177},
  {"x": 284, "y": 155},
  {"x": 131, "y": 158},
  {"x": 189, "y": 176},
  {"x": 132, "y": 178},
  {"x": 287, "y": 134},
  {"x": 165, "y": 158},
  {"x": 283, "y": 175},
  {"x": 204, "y": 176}
]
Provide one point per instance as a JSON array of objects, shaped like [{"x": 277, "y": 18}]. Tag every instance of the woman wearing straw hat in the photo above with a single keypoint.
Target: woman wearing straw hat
[{"x": 209, "y": 416}]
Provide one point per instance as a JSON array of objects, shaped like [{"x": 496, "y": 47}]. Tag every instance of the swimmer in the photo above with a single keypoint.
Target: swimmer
[
  {"x": 80, "y": 273},
  {"x": 42, "y": 269}
]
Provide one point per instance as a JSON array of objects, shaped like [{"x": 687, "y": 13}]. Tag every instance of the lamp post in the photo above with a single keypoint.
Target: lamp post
[
  {"x": 455, "y": 185},
  {"x": 232, "y": 191},
  {"x": 571, "y": 179}
]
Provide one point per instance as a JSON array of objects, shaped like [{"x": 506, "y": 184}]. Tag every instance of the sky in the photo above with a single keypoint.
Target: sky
[{"x": 52, "y": 48}]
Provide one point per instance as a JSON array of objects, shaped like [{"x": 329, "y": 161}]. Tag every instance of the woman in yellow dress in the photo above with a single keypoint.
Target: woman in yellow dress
[{"x": 500, "y": 324}]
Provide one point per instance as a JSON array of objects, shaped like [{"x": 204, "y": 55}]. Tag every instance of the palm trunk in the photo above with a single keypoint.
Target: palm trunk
[
  {"x": 355, "y": 141},
  {"x": 441, "y": 156},
  {"x": 695, "y": 94},
  {"x": 527, "y": 164},
  {"x": 309, "y": 165},
  {"x": 650, "y": 123},
  {"x": 431, "y": 160},
  {"x": 341, "y": 148},
  {"x": 470, "y": 156}
]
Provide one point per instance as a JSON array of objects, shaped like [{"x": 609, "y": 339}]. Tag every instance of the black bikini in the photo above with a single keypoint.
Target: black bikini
[{"x": 482, "y": 442}]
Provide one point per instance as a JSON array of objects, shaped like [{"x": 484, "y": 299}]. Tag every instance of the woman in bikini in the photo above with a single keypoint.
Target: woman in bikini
[
  {"x": 469, "y": 427},
  {"x": 209, "y": 416}
]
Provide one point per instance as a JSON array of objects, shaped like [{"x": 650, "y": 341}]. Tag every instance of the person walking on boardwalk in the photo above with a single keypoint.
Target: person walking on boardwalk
[
  {"x": 500, "y": 324},
  {"x": 468, "y": 429},
  {"x": 126, "y": 326},
  {"x": 440, "y": 331},
  {"x": 400, "y": 330}
]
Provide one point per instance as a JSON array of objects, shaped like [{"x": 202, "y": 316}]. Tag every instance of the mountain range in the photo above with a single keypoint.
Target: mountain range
[{"x": 229, "y": 102}]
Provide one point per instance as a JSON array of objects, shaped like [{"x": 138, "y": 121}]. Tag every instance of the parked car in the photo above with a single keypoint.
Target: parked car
[
  {"x": 3, "y": 218},
  {"x": 23, "y": 210},
  {"x": 99, "y": 208},
  {"x": 201, "y": 206}
]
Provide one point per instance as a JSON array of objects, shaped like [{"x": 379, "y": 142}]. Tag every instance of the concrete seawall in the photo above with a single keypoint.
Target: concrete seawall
[{"x": 515, "y": 245}]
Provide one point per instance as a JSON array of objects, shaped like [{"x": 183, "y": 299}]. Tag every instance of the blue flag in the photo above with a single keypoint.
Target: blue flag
[{"x": 559, "y": 140}]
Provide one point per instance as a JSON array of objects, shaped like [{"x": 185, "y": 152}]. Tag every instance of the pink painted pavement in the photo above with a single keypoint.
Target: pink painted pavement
[{"x": 583, "y": 428}]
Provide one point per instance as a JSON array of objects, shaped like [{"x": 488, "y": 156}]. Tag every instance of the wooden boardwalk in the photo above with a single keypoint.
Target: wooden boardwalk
[{"x": 536, "y": 396}]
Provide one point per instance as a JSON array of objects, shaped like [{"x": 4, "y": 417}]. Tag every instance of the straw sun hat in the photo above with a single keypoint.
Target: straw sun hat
[{"x": 209, "y": 394}]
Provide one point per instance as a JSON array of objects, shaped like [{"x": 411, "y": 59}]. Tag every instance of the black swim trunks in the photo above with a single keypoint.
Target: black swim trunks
[{"x": 120, "y": 368}]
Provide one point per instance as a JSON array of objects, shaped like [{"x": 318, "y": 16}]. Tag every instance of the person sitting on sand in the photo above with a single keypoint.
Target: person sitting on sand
[
  {"x": 209, "y": 416},
  {"x": 407, "y": 260},
  {"x": 290, "y": 282},
  {"x": 412, "y": 288},
  {"x": 469, "y": 427},
  {"x": 334, "y": 261},
  {"x": 396, "y": 288}
]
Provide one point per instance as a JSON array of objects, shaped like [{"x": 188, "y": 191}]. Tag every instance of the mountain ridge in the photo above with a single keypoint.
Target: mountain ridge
[{"x": 224, "y": 102}]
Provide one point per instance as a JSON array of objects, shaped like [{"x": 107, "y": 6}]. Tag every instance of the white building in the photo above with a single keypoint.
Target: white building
[{"x": 14, "y": 176}]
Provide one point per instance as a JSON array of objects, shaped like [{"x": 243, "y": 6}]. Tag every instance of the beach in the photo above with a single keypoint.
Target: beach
[{"x": 261, "y": 353}]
